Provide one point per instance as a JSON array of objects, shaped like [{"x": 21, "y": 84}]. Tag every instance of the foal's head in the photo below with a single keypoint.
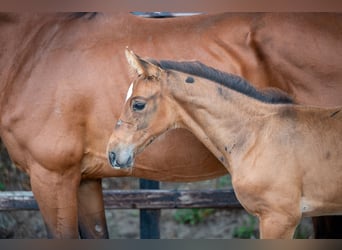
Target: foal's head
[{"x": 147, "y": 113}]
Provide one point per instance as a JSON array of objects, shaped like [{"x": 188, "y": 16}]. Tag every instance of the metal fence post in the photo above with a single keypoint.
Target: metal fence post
[{"x": 149, "y": 218}]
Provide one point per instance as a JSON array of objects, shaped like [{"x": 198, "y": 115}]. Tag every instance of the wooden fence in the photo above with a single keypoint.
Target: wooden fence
[{"x": 149, "y": 200}]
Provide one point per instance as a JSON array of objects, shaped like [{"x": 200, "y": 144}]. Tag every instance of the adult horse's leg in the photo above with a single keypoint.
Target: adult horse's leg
[
  {"x": 56, "y": 194},
  {"x": 91, "y": 213}
]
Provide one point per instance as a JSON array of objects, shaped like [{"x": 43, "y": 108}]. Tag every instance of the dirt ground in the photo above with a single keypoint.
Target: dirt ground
[{"x": 124, "y": 224}]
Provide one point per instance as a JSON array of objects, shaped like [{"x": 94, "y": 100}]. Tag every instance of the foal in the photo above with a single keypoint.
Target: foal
[{"x": 284, "y": 159}]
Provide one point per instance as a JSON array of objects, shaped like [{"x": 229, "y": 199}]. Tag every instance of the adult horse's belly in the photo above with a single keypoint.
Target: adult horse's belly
[{"x": 178, "y": 157}]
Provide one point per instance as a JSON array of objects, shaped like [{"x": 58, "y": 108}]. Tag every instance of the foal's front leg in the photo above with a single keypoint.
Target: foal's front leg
[
  {"x": 91, "y": 213},
  {"x": 275, "y": 225},
  {"x": 276, "y": 207}
]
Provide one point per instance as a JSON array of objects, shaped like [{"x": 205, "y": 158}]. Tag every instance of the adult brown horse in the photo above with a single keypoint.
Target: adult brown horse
[{"x": 63, "y": 81}]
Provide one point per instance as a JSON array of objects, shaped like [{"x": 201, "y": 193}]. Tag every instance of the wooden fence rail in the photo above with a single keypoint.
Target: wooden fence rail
[
  {"x": 149, "y": 200},
  {"x": 137, "y": 199}
]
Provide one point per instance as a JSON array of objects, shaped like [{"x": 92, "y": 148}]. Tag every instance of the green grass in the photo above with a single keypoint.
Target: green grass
[
  {"x": 2, "y": 186},
  {"x": 224, "y": 182},
  {"x": 192, "y": 216},
  {"x": 247, "y": 230}
]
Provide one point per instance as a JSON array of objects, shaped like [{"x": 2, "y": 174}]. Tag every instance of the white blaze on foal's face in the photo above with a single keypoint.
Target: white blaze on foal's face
[{"x": 129, "y": 92}]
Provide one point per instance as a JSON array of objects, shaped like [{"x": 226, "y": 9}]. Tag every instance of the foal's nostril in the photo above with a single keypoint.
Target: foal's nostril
[
  {"x": 112, "y": 157},
  {"x": 130, "y": 160}
]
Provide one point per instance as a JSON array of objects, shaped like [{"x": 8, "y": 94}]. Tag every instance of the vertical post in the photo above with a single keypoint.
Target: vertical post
[{"x": 149, "y": 218}]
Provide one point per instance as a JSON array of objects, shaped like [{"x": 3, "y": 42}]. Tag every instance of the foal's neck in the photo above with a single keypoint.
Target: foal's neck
[{"x": 223, "y": 119}]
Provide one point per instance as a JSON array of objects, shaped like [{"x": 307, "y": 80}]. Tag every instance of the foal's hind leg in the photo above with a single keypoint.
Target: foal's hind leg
[
  {"x": 56, "y": 194},
  {"x": 91, "y": 213},
  {"x": 277, "y": 226}
]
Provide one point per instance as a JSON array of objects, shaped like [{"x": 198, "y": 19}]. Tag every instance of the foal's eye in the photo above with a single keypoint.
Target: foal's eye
[{"x": 138, "y": 105}]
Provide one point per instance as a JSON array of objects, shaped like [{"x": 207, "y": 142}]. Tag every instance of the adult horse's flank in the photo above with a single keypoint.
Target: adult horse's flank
[
  {"x": 284, "y": 159},
  {"x": 63, "y": 79}
]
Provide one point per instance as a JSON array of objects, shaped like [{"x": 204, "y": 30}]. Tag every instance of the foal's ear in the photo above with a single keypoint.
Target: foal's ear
[{"x": 141, "y": 66}]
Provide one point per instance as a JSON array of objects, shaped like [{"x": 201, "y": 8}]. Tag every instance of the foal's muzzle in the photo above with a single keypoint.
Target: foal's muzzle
[{"x": 121, "y": 159}]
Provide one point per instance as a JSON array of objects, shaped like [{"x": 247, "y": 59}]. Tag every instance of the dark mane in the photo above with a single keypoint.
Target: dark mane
[
  {"x": 86, "y": 15},
  {"x": 228, "y": 80}
]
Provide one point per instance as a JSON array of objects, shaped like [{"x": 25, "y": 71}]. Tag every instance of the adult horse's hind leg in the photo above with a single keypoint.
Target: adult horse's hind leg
[
  {"x": 56, "y": 194},
  {"x": 91, "y": 213}
]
